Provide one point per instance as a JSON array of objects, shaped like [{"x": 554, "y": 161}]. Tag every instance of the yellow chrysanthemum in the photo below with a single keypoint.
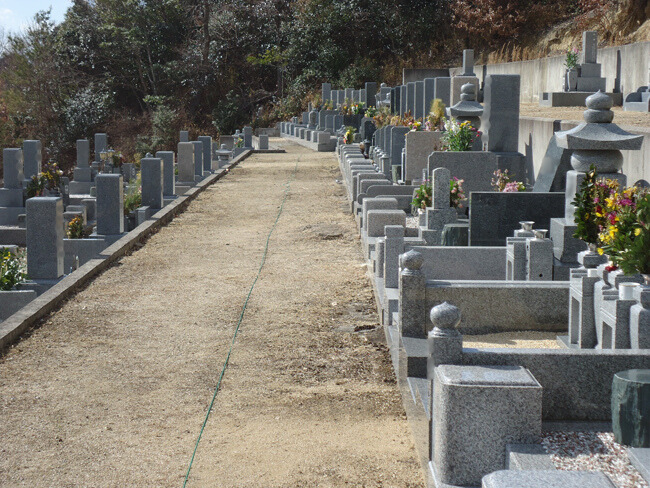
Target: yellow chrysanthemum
[
  {"x": 637, "y": 231},
  {"x": 600, "y": 251}
]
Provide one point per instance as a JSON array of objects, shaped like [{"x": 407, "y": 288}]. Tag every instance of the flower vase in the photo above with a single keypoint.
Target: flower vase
[{"x": 572, "y": 79}]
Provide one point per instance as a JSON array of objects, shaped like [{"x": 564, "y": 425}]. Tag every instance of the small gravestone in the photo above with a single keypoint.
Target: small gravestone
[
  {"x": 184, "y": 136},
  {"x": 263, "y": 142}
]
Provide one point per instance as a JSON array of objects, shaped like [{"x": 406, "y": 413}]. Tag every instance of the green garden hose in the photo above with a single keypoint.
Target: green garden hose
[{"x": 241, "y": 317}]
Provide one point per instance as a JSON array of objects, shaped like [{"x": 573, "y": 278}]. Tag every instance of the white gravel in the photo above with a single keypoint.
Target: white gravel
[
  {"x": 412, "y": 221},
  {"x": 592, "y": 451}
]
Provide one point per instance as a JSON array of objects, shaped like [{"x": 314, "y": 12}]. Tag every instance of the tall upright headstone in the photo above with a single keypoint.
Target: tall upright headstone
[
  {"x": 186, "y": 162},
  {"x": 429, "y": 92},
  {"x": 184, "y": 136},
  {"x": 44, "y": 238},
  {"x": 410, "y": 97},
  {"x": 198, "y": 160},
  {"x": 101, "y": 144},
  {"x": 327, "y": 92},
  {"x": 110, "y": 204},
  {"x": 589, "y": 46},
  {"x": 33, "y": 158},
  {"x": 442, "y": 89},
  {"x": 13, "y": 167},
  {"x": 152, "y": 182},
  {"x": 169, "y": 180},
  {"x": 83, "y": 173},
  {"x": 371, "y": 91},
  {"x": 207, "y": 152},
  {"x": 418, "y": 109},
  {"x": 500, "y": 120},
  {"x": 590, "y": 70},
  {"x": 348, "y": 95},
  {"x": 248, "y": 137},
  {"x": 402, "y": 103},
  {"x": 11, "y": 196},
  {"x": 468, "y": 62}
]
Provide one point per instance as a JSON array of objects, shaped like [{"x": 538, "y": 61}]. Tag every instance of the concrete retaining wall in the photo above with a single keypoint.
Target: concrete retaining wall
[
  {"x": 624, "y": 67},
  {"x": 535, "y": 134}
]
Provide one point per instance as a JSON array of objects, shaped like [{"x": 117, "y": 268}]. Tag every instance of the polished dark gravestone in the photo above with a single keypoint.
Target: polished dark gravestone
[{"x": 631, "y": 407}]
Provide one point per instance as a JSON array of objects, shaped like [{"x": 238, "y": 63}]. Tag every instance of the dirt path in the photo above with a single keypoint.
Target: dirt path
[{"x": 111, "y": 391}]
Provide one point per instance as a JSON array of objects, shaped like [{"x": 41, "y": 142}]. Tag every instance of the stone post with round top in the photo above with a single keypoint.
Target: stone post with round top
[
  {"x": 412, "y": 295},
  {"x": 444, "y": 342}
]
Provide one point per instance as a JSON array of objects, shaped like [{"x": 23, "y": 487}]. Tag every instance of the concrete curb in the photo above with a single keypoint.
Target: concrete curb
[{"x": 28, "y": 316}]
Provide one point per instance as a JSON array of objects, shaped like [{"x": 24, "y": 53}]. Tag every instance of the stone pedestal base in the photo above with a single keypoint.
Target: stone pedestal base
[{"x": 573, "y": 99}]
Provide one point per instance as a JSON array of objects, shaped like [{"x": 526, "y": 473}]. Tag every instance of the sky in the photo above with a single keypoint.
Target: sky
[{"x": 15, "y": 15}]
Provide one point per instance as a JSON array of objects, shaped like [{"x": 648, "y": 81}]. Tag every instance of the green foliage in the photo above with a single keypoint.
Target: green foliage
[
  {"x": 164, "y": 126},
  {"x": 571, "y": 60},
  {"x": 133, "y": 197},
  {"x": 459, "y": 137},
  {"x": 12, "y": 270},
  {"x": 456, "y": 193},
  {"x": 436, "y": 117},
  {"x": 422, "y": 196},
  {"x": 76, "y": 229},
  {"x": 585, "y": 209},
  {"x": 36, "y": 186},
  {"x": 630, "y": 247},
  {"x": 349, "y": 134},
  {"x": 48, "y": 179},
  {"x": 227, "y": 115}
]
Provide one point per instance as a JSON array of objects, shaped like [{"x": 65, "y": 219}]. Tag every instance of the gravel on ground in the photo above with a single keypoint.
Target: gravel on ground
[
  {"x": 520, "y": 340},
  {"x": 592, "y": 451},
  {"x": 111, "y": 390}
]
